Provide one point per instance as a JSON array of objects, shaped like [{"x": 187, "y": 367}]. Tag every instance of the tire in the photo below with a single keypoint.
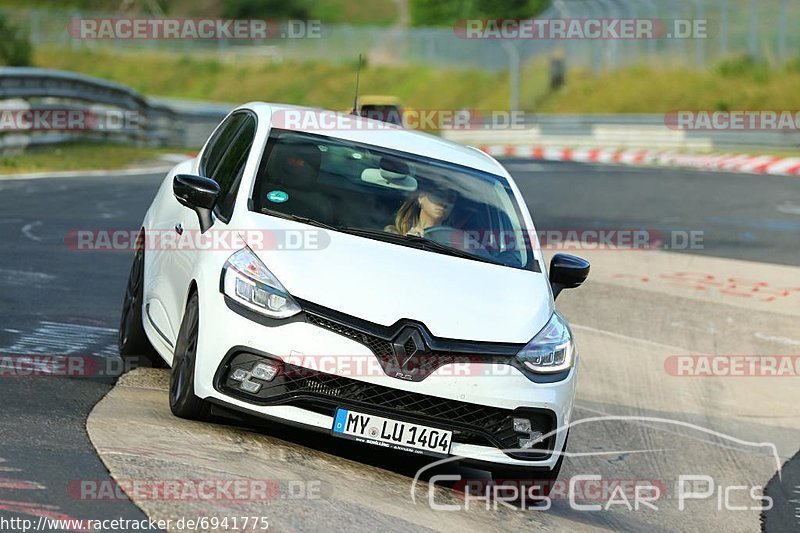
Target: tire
[
  {"x": 133, "y": 341},
  {"x": 182, "y": 400},
  {"x": 527, "y": 477}
]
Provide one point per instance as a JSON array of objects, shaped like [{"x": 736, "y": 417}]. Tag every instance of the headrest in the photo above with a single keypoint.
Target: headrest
[
  {"x": 393, "y": 173},
  {"x": 294, "y": 164}
]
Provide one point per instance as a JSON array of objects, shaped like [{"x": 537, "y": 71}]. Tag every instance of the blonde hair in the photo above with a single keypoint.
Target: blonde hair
[{"x": 408, "y": 215}]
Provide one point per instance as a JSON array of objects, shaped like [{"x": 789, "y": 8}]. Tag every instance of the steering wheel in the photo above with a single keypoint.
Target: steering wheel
[
  {"x": 446, "y": 235},
  {"x": 461, "y": 240},
  {"x": 456, "y": 238}
]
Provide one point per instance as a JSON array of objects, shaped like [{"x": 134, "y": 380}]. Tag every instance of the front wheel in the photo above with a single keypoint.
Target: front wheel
[{"x": 182, "y": 400}]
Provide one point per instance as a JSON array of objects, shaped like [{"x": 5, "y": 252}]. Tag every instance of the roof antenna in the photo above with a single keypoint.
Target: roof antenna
[{"x": 355, "y": 98}]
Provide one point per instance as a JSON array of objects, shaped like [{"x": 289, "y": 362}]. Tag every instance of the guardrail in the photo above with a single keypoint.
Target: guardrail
[
  {"x": 103, "y": 110},
  {"x": 621, "y": 131},
  {"x": 169, "y": 122}
]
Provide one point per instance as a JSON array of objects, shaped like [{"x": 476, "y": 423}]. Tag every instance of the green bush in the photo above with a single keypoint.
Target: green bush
[
  {"x": 15, "y": 48},
  {"x": 793, "y": 65},
  {"x": 273, "y": 9},
  {"x": 447, "y": 12},
  {"x": 744, "y": 67}
]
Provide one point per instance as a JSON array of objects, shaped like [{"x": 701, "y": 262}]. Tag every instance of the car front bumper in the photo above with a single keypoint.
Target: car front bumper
[{"x": 472, "y": 399}]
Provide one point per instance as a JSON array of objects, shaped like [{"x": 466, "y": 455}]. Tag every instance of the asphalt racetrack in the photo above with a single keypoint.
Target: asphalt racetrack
[{"x": 735, "y": 291}]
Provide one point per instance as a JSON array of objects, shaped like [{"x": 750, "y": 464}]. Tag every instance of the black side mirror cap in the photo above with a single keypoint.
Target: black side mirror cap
[
  {"x": 199, "y": 194},
  {"x": 567, "y": 272}
]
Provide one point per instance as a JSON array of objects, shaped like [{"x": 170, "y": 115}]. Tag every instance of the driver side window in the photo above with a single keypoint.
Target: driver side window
[
  {"x": 225, "y": 159},
  {"x": 219, "y": 143}
]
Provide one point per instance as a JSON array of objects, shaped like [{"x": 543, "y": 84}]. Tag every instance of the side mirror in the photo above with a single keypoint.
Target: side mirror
[
  {"x": 567, "y": 272},
  {"x": 199, "y": 194}
]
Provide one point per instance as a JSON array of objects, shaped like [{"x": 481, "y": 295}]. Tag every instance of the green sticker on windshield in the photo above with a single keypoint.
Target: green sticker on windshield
[{"x": 277, "y": 197}]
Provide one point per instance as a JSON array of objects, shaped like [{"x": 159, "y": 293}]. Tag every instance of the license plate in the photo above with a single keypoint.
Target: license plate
[{"x": 390, "y": 433}]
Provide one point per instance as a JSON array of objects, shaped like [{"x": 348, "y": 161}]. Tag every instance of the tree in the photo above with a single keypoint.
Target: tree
[
  {"x": 15, "y": 47},
  {"x": 447, "y": 12},
  {"x": 272, "y": 9}
]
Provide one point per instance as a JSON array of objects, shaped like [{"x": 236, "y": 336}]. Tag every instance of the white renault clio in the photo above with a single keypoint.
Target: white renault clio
[{"x": 363, "y": 280}]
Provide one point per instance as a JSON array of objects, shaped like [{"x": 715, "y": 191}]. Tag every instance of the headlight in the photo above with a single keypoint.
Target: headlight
[
  {"x": 551, "y": 350},
  {"x": 249, "y": 282}
]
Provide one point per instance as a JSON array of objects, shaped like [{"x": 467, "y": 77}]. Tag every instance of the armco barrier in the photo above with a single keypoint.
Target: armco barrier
[
  {"x": 159, "y": 122},
  {"x": 621, "y": 131}
]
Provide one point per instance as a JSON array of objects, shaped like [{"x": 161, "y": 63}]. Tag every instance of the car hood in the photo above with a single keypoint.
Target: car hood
[{"x": 381, "y": 282}]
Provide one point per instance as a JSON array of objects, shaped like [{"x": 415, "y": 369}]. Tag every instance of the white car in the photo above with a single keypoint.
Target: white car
[{"x": 371, "y": 283}]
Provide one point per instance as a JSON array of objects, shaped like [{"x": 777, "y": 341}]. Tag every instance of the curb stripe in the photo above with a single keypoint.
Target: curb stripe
[{"x": 736, "y": 163}]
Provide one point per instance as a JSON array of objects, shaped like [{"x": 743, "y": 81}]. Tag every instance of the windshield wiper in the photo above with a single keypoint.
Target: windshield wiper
[
  {"x": 418, "y": 242},
  {"x": 301, "y": 219}
]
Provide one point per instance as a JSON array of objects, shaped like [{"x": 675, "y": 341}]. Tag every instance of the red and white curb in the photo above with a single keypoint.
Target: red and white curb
[{"x": 746, "y": 164}]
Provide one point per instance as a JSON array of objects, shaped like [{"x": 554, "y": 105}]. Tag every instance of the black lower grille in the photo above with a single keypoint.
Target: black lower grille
[
  {"x": 322, "y": 392},
  {"x": 414, "y": 367}
]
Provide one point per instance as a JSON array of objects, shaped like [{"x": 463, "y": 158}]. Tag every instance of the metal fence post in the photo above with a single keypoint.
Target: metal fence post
[
  {"x": 680, "y": 43},
  {"x": 782, "y": 33},
  {"x": 699, "y": 43},
  {"x": 723, "y": 28},
  {"x": 513, "y": 74},
  {"x": 652, "y": 11},
  {"x": 611, "y": 49},
  {"x": 752, "y": 39},
  {"x": 566, "y": 13}
]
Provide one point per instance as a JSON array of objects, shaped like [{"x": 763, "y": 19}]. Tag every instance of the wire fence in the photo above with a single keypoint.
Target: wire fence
[
  {"x": 762, "y": 29},
  {"x": 759, "y": 29}
]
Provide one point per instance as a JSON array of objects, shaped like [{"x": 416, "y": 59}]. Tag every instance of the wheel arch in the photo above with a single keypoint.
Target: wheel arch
[{"x": 190, "y": 291}]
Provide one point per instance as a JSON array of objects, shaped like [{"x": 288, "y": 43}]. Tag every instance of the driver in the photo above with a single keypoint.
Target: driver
[{"x": 429, "y": 206}]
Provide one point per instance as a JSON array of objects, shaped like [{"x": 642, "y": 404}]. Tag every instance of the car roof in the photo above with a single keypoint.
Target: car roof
[{"x": 376, "y": 133}]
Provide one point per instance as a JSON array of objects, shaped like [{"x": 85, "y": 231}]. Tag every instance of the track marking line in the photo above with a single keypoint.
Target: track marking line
[
  {"x": 27, "y": 230},
  {"x": 772, "y": 338},
  {"x": 640, "y": 421},
  {"x": 627, "y": 337},
  {"x": 60, "y": 338},
  {"x": 789, "y": 208}
]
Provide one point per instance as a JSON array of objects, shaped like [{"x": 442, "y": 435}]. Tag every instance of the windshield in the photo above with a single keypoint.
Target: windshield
[{"x": 392, "y": 196}]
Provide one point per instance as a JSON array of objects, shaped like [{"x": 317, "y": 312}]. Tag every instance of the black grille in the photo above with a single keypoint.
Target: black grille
[
  {"x": 321, "y": 392},
  {"x": 417, "y": 367},
  {"x": 409, "y": 346},
  {"x": 380, "y": 347}
]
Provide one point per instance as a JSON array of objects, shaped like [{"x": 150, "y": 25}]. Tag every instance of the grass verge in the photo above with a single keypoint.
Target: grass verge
[
  {"x": 314, "y": 83},
  {"x": 737, "y": 84},
  {"x": 80, "y": 156},
  {"x": 733, "y": 85},
  {"x": 373, "y": 12}
]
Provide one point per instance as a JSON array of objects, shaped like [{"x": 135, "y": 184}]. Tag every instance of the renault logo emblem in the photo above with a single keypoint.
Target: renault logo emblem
[{"x": 408, "y": 346}]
